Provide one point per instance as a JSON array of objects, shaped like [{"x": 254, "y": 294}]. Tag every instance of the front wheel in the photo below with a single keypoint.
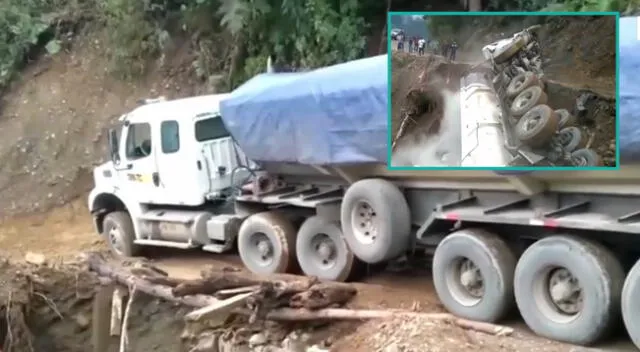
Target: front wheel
[{"x": 119, "y": 233}]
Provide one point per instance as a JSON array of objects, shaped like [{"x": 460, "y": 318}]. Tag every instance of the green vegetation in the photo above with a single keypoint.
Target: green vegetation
[{"x": 228, "y": 38}]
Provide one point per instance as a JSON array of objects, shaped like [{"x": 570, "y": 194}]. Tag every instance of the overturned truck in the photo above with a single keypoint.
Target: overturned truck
[{"x": 290, "y": 168}]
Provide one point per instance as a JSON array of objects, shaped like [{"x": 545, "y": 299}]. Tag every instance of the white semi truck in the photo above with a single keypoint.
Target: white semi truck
[{"x": 557, "y": 246}]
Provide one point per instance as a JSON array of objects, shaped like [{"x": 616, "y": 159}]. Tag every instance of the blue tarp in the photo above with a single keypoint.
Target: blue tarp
[
  {"x": 629, "y": 137},
  {"x": 332, "y": 115}
]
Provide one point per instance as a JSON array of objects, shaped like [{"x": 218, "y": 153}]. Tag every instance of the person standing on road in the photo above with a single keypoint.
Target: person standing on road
[
  {"x": 410, "y": 44},
  {"x": 454, "y": 47},
  {"x": 421, "y": 44},
  {"x": 400, "y": 39}
]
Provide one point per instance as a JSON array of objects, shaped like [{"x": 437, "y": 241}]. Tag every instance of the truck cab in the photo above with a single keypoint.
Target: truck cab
[{"x": 171, "y": 165}]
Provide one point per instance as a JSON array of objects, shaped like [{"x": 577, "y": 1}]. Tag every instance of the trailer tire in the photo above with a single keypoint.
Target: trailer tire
[
  {"x": 319, "y": 238},
  {"x": 527, "y": 99},
  {"x": 631, "y": 305},
  {"x": 537, "y": 126},
  {"x": 376, "y": 221},
  {"x": 119, "y": 233},
  {"x": 494, "y": 260},
  {"x": 588, "y": 157},
  {"x": 266, "y": 243},
  {"x": 572, "y": 138},
  {"x": 566, "y": 119},
  {"x": 567, "y": 259},
  {"x": 521, "y": 82}
]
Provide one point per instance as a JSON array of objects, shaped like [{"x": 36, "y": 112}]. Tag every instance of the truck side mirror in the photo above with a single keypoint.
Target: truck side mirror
[{"x": 113, "y": 146}]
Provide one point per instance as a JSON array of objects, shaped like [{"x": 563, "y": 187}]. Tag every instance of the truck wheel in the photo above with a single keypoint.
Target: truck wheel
[
  {"x": 521, "y": 82},
  {"x": 566, "y": 119},
  {"x": 527, "y": 99},
  {"x": 537, "y": 127},
  {"x": 568, "y": 289},
  {"x": 631, "y": 305},
  {"x": 571, "y": 138},
  {"x": 586, "y": 157},
  {"x": 322, "y": 251},
  {"x": 473, "y": 275},
  {"x": 266, "y": 242},
  {"x": 119, "y": 233},
  {"x": 375, "y": 220},
  {"x": 508, "y": 52}
]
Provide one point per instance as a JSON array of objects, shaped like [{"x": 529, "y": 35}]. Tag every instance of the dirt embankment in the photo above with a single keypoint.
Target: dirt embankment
[{"x": 578, "y": 57}]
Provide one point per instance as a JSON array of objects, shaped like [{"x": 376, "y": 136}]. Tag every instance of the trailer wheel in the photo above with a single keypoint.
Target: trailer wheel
[
  {"x": 473, "y": 275},
  {"x": 571, "y": 138},
  {"x": 375, "y": 220},
  {"x": 119, "y": 233},
  {"x": 568, "y": 289},
  {"x": 566, "y": 119},
  {"x": 537, "y": 127},
  {"x": 266, "y": 242},
  {"x": 322, "y": 251},
  {"x": 586, "y": 157},
  {"x": 631, "y": 305},
  {"x": 521, "y": 82},
  {"x": 527, "y": 99}
]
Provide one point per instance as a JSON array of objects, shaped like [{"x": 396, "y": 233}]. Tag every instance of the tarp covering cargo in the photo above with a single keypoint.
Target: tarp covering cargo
[
  {"x": 332, "y": 115},
  {"x": 629, "y": 137}
]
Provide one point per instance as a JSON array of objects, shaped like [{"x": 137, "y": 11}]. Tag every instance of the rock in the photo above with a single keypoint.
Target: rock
[
  {"x": 315, "y": 348},
  {"x": 392, "y": 348},
  {"x": 257, "y": 340},
  {"x": 207, "y": 343},
  {"x": 35, "y": 258},
  {"x": 82, "y": 321}
]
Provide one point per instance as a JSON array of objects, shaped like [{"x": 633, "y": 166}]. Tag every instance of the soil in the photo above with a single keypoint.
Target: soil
[{"x": 578, "y": 57}]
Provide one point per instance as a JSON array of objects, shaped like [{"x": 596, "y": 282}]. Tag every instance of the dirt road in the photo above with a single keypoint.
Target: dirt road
[{"x": 67, "y": 231}]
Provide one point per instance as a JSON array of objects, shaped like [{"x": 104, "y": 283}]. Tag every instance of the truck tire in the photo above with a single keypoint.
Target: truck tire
[
  {"x": 521, "y": 82},
  {"x": 527, "y": 99},
  {"x": 119, "y": 233},
  {"x": 631, "y": 305},
  {"x": 566, "y": 119},
  {"x": 508, "y": 52},
  {"x": 473, "y": 275},
  {"x": 571, "y": 138},
  {"x": 322, "y": 251},
  {"x": 568, "y": 289},
  {"x": 266, "y": 243},
  {"x": 537, "y": 126},
  {"x": 376, "y": 221},
  {"x": 586, "y": 157}
]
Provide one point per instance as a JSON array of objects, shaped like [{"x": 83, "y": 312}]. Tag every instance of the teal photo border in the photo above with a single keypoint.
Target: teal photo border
[{"x": 507, "y": 169}]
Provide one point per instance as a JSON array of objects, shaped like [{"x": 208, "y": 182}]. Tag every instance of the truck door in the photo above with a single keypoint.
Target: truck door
[
  {"x": 176, "y": 165},
  {"x": 139, "y": 164}
]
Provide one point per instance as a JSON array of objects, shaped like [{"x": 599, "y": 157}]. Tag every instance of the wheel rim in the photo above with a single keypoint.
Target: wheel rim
[
  {"x": 531, "y": 122},
  {"x": 524, "y": 100},
  {"x": 465, "y": 282},
  {"x": 261, "y": 250},
  {"x": 324, "y": 251},
  {"x": 364, "y": 218},
  {"x": 558, "y": 295},
  {"x": 115, "y": 239},
  {"x": 519, "y": 82},
  {"x": 565, "y": 138}
]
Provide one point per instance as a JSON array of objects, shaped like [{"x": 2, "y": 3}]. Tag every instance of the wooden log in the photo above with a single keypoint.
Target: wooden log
[{"x": 323, "y": 295}]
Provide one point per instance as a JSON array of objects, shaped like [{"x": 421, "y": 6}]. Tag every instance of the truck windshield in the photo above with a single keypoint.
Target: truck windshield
[{"x": 211, "y": 128}]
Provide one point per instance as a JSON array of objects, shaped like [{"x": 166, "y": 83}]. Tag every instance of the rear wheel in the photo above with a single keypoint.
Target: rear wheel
[
  {"x": 473, "y": 275},
  {"x": 375, "y": 220},
  {"x": 521, "y": 82},
  {"x": 266, "y": 242},
  {"x": 537, "y": 126},
  {"x": 571, "y": 138},
  {"x": 527, "y": 99},
  {"x": 119, "y": 233},
  {"x": 631, "y": 305},
  {"x": 568, "y": 289},
  {"x": 322, "y": 251},
  {"x": 586, "y": 157},
  {"x": 566, "y": 119}
]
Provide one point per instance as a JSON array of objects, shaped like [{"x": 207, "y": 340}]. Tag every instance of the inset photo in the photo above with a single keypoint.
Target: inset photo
[{"x": 496, "y": 90}]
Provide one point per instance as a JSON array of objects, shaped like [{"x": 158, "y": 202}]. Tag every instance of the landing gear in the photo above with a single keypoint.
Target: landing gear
[
  {"x": 473, "y": 275},
  {"x": 266, "y": 242},
  {"x": 322, "y": 251},
  {"x": 568, "y": 289}
]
